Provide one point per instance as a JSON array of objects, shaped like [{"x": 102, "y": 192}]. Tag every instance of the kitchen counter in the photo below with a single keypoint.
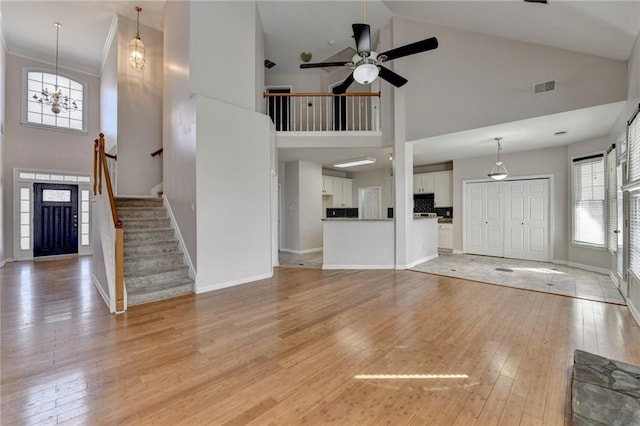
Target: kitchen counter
[{"x": 445, "y": 219}]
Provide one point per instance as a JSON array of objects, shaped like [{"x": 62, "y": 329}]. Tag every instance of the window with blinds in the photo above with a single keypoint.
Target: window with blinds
[
  {"x": 612, "y": 213},
  {"x": 633, "y": 142},
  {"x": 634, "y": 235},
  {"x": 589, "y": 225}
]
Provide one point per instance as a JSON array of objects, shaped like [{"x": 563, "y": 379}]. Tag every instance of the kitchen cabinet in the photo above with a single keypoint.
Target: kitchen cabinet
[
  {"x": 340, "y": 190},
  {"x": 443, "y": 183},
  {"x": 423, "y": 183},
  {"x": 445, "y": 236},
  {"x": 327, "y": 185}
]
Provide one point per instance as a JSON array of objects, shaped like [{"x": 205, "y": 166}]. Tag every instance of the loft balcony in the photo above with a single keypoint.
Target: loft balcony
[{"x": 325, "y": 120}]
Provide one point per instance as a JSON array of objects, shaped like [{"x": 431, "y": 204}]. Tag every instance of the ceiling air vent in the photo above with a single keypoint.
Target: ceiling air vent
[
  {"x": 269, "y": 64},
  {"x": 544, "y": 87}
]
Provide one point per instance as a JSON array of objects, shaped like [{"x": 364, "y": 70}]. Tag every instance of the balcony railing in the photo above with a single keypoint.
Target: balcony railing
[{"x": 324, "y": 112}]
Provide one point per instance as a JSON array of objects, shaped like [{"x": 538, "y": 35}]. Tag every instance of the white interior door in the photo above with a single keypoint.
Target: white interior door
[
  {"x": 508, "y": 219},
  {"x": 484, "y": 219},
  {"x": 527, "y": 219}
]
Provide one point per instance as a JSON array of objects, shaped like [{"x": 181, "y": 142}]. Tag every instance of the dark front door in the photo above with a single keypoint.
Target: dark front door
[
  {"x": 279, "y": 109},
  {"x": 55, "y": 219}
]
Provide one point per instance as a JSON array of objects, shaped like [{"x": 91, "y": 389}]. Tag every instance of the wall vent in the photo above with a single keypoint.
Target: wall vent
[{"x": 544, "y": 87}]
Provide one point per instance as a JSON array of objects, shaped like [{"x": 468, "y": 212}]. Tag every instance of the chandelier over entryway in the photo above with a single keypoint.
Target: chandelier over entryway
[
  {"x": 56, "y": 98},
  {"x": 136, "y": 47}
]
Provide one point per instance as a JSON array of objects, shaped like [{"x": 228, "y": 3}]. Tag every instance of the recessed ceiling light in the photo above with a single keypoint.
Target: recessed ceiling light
[{"x": 355, "y": 162}]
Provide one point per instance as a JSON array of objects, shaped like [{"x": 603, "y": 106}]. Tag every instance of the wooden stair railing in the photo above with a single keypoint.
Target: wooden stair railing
[{"x": 101, "y": 168}]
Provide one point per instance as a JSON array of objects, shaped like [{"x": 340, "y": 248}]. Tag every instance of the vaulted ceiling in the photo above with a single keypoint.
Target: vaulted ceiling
[{"x": 603, "y": 28}]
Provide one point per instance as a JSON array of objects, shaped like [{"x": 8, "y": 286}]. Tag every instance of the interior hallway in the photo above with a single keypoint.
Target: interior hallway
[{"x": 321, "y": 347}]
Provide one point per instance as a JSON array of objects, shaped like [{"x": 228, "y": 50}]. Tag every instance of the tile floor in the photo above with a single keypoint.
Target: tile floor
[
  {"x": 305, "y": 260},
  {"x": 539, "y": 276}
]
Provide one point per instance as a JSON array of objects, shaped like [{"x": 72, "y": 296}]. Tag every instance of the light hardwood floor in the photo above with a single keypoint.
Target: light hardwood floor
[{"x": 297, "y": 349}]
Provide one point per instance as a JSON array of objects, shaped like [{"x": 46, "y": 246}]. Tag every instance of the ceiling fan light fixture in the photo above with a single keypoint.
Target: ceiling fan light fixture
[
  {"x": 355, "y": 162},
  {"x": 365, "y": 73},
  {"x": 499, "y": 170},
  {"x": 136, "y": 47}
]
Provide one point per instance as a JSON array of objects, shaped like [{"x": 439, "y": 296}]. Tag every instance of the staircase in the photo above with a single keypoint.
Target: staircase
[{"x": 153, "y": 265}]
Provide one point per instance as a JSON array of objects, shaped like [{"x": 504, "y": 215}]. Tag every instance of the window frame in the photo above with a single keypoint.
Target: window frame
[
  {"x": 572, "y": 181},
  {"x": 24, "y": 96}
]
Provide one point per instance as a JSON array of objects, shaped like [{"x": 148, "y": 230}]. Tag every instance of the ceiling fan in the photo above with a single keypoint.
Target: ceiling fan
[{"x": 367, "y": 64}]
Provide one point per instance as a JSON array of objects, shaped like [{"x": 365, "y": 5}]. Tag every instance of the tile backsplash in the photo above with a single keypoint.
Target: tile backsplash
[{"x": 444, "y": 211}]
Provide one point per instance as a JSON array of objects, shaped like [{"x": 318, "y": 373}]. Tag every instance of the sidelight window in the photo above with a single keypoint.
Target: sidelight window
[{"x": 589, "y": 198}]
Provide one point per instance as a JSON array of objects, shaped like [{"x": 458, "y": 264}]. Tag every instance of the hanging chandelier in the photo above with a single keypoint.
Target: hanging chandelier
[
  {"x": 58, "y": 101},
  {"x": 499, "y": 170},
  {"x": 136, "y": 47}
]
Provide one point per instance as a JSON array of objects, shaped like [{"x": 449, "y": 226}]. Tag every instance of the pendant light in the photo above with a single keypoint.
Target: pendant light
[
  {"x": 499, "y": 171},
  {"x": 59, "y": 101},
  {"x": 136, "y": 47}
]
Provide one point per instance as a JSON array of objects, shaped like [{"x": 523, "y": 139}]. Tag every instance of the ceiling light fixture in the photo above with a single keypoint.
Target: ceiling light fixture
[
  {"x": 136, "y": 47},
  {"x": 366, "y": 72},
  {"x": 55, "y": 98},
  {"x": 499, "y": 171},
  {"x": 355, "y": 162}
]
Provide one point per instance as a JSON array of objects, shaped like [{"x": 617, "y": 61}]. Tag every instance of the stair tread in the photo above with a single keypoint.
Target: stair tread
[
  {"x": 153, "y": 255},
  {"x": 161, "y": 286},
  {"x": 145, "y": 230},
  {"x": 147, "y": 243},
  {"x": 155, "y": 271}
]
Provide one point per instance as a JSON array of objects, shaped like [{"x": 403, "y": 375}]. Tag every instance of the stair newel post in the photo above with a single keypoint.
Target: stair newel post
[
  {"x": 100, "y": 161},
  {"x": 95, "y": 167},
  {"x": 119, "y": 267}
]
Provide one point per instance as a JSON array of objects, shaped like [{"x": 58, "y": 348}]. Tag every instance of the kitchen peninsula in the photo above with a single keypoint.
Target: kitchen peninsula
[{"x": 351, "y": 243}]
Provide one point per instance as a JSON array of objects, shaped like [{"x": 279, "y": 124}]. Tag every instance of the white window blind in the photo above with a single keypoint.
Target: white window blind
[
  {"x": 589, "y": 200},
  {"x": 633, "y": 143},
  {"x": 612, "y": 238},
  {"x": 634, "y": 235}
]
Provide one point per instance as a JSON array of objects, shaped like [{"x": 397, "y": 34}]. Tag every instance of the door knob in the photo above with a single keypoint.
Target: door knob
[{"x": 616, "y": 231}]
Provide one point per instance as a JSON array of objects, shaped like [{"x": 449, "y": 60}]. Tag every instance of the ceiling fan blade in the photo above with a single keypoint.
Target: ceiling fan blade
[
  {"x": 390, "y": 76},
  {"x": 342, "y": 87},
  {"x": 410, "y": 49},
  {"x": 324, "y": 64},
  {"x": 362, "y": 36}
]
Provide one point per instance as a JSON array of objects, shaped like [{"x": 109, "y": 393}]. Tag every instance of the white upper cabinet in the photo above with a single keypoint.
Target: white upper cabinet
[
  {"x": 443, "y": 182},
  {"x": 327, "y": 185},
  {"x": 340, "y": 190},
  {"x": 423, "y": 183}
]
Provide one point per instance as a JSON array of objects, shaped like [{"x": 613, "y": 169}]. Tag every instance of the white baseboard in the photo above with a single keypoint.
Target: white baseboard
[
  {"x": 312, "y": 250},
  {"x": 424, "y": 259},
  {"x": 588, "y": 268},
  {"x": 634, "y": 312},
  {"x": 183, "y": 247},
  {"x": 458, "y": 252},
  {"x": 211, "y": 287},
  {"x": 5, "y": 261},
  {"x": 559, "y": 262},
  {"x": 358, "y": 266},
  {"x": 98, "y": 286}
]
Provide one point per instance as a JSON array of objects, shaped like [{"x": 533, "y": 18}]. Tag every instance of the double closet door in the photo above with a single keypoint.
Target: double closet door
[{"x": 508, "y": 219}]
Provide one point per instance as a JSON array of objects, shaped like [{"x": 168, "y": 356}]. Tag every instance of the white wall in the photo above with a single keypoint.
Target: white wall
[
  {"x": 544, "y": 161},
  {"x": 109, "y": 94},
  {"x": 179, "y": 138},
  {"x": 39, "y": 148},
  {"x": 4, "y": 213},
  {"x": 139, "y": 121},
  {"x": 302, "y": 209},
  {"x": 223, "y": 52},
  {"x": 475, "y": 80},
  {"x": 233, "y": 192}
]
